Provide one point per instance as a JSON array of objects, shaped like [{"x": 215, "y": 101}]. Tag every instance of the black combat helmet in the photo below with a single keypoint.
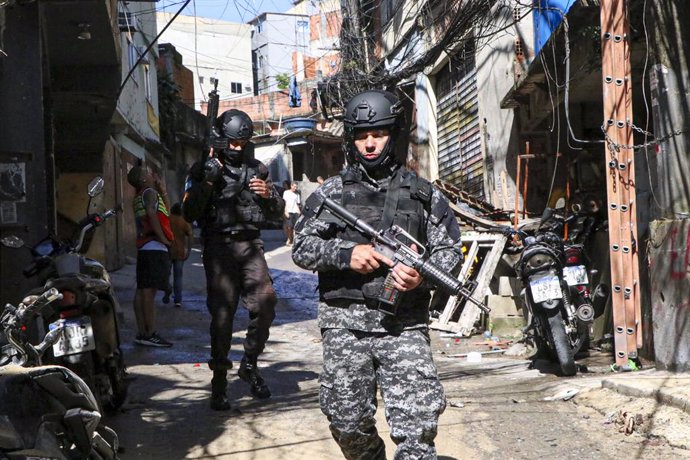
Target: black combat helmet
[
  {"x": 373, "y": 109},
  {"x": 234, "y": 124},
  {"x": 231, "y": 124}
]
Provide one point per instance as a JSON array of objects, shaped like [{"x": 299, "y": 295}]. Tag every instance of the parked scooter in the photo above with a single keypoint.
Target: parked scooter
[
  {"x": 89, "y": 343},
  {"x": 45, "y": 411},
  {"x": 557, "y": 294}
]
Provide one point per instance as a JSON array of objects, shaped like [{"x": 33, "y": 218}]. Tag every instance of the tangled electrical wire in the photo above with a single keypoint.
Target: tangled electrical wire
[{"x": 438, "y": 27}]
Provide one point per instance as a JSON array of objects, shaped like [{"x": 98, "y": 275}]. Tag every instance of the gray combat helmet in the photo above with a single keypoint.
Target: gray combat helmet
[{"x": 373, "y": 109}]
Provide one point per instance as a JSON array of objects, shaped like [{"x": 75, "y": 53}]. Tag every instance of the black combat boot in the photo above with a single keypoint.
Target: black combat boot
[
  {"x": 250, "y": 374},
  {"x": 219, "y": 397}
]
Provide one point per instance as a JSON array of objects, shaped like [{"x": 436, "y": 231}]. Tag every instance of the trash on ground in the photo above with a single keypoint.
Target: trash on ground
[{"x": 565, "y": 395}]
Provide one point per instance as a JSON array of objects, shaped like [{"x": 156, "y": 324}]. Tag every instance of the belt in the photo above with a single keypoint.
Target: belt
[{"x": 370, "y": 303}]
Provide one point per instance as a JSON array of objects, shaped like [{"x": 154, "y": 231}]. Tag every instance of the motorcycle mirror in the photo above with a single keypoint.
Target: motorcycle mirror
[
  {"x": 12, "y": 241},
  {"x": 95, "y": 187}
]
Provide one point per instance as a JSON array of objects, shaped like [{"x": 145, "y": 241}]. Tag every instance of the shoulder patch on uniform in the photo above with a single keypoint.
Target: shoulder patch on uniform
[{"x": 421, "y": 190}]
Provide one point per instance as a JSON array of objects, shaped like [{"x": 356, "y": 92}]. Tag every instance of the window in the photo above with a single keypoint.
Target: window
[
  {"x": 261, "y": 61},
  {"x": 236, "y": 87},
  {"x": 133, "y": 57}
]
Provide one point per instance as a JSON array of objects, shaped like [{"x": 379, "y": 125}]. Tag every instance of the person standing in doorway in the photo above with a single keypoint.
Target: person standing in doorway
[
  {"x": 292, "y": 211},
  {"x": 180, "y": 249},
  {"x": 231, "y": 198},
  {"x": 154, "y": 237}
]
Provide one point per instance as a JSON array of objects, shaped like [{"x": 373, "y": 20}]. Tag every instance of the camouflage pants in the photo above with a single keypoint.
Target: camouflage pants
[{"x": 356, "y": 363}]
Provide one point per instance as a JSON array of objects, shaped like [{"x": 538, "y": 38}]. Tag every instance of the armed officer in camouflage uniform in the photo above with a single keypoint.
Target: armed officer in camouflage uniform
[
  {"x": 231, "y": 197},
  {"x": 365, "y": 347}
]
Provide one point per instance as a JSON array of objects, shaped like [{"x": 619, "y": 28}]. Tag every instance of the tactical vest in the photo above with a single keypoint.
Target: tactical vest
[
  {"x": 233, "y": 206},
  {"x": 404, "y": 204}
]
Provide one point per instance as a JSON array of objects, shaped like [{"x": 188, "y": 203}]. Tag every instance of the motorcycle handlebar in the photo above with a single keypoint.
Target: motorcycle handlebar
[
  {"x": 93, "y": 221},
  {"x": 29, "y": 311}
]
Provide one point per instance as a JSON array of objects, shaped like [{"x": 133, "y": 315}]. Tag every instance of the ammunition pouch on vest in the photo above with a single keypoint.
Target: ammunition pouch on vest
[
  {"x": 403, "y": 204},
  {"x": 234, "y": 207}
]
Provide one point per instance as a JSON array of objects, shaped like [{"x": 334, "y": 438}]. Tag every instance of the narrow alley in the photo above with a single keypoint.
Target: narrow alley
[{"x": 497, "y": 408}]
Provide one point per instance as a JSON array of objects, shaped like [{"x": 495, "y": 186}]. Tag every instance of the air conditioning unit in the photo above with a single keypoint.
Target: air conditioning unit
[{"x": 127, "y": 21}]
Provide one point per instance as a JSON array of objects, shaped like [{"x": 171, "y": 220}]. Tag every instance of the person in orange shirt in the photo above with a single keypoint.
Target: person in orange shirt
[{"x": 180, "y": 249}]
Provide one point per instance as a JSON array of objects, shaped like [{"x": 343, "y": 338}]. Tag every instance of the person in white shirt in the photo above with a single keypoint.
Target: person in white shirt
[{"x": 292, "y": 211}]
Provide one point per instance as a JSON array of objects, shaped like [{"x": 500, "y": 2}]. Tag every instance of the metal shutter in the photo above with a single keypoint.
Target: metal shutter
[{"x": 460, "y": 154}]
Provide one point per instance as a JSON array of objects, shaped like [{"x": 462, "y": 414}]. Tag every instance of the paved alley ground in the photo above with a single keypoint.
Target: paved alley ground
[{"x": 498, "y": 408}]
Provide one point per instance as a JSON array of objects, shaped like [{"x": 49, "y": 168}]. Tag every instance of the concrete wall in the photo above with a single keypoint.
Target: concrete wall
[
  {"x": 140, "y": 111},
  {"x": 669, "y": 255},
  {"x": 25, "y": 203},
  {"x": 498, "y": 69},
  {"x": 275, "y": 38},
  {"x": 212, "y": 48}
]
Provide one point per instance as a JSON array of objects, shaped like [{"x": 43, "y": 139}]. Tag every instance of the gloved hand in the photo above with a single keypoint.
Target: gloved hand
[
  {"x": 207, "y": 171},
  {"x": 212, "y": 169}
]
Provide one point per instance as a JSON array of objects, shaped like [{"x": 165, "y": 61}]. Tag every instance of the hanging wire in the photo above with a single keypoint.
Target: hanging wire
[{"x": 148, "y": 48}]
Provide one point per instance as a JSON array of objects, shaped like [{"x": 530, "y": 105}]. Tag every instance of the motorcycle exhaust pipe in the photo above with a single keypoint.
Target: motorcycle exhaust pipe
[{"x": 585, "y": 313}]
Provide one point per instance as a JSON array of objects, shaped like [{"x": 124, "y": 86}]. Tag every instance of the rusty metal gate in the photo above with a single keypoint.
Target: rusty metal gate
[{"x": 460, "y": 157}]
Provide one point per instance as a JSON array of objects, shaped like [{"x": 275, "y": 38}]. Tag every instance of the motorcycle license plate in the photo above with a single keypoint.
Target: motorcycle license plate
[
  {"x": 547, "y": 288},
  {"x": 575, "y": 275},
  {"x": 77, "y": 337}
]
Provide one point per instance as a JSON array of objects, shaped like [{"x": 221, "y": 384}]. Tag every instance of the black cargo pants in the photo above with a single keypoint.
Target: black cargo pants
[{"x": 234, "y": 269}]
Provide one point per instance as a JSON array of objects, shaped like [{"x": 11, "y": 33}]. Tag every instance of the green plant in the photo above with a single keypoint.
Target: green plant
[{"x": 283, "y": 80}]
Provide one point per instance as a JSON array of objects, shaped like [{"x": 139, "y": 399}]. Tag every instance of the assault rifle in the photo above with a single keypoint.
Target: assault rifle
[
  {"x": 211, "y": 115},
  {"x": 395, "y": 243}
]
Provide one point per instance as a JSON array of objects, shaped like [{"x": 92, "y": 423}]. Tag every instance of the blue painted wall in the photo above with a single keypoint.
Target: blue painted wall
[{"x": 548, "y": 15}]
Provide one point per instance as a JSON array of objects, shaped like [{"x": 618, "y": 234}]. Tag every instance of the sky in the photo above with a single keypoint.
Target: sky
[{"x": 227, "y": 10}]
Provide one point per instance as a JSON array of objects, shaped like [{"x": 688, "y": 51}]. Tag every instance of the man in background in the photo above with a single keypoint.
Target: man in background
[
  {"x": 292, "y": 211},
  {"x": 180, "y": 249},
  {"x": 154, "y": 237}
]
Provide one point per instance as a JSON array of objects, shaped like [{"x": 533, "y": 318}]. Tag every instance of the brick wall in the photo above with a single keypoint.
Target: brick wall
[{"x": 269, "y": 106}]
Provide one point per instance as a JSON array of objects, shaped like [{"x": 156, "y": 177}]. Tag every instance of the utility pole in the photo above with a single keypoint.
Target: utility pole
[{"x": 620, "y": 181}]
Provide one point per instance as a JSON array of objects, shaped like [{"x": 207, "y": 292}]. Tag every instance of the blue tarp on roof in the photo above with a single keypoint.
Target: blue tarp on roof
[{"x": 548, "y": 15}]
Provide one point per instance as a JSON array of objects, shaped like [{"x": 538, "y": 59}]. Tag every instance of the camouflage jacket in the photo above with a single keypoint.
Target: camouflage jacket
[{"x": 315, "y": 248}]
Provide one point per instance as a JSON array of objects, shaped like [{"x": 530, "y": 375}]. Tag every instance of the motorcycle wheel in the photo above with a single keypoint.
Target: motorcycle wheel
[
  {"x": 118, "y": 383},
  {"x": 560, "y": 343}
]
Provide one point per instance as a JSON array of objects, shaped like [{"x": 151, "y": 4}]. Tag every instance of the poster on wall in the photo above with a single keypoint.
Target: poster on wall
[
  {"x": 13, "y": 182},
  {"x": 12, "y": 190},
  {"x": 8, "y": 212}
]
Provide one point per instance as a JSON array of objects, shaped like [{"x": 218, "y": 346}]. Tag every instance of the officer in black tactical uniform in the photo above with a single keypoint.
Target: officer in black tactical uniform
[
  {"x": 231, "y": 196},
  {"x": 366, "y": 345}
]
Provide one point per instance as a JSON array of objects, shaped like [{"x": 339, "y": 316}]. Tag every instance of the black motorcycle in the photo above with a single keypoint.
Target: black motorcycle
[
  {"x": 45, "y": 411},
  {"x": 560, "y": 309},
  {"x": 89, "y": 343}
]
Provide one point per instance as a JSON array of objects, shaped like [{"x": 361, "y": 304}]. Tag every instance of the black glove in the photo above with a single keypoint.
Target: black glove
[
  {"x": 207, "y": 171},
  {"x": 212, "y": 169}
]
